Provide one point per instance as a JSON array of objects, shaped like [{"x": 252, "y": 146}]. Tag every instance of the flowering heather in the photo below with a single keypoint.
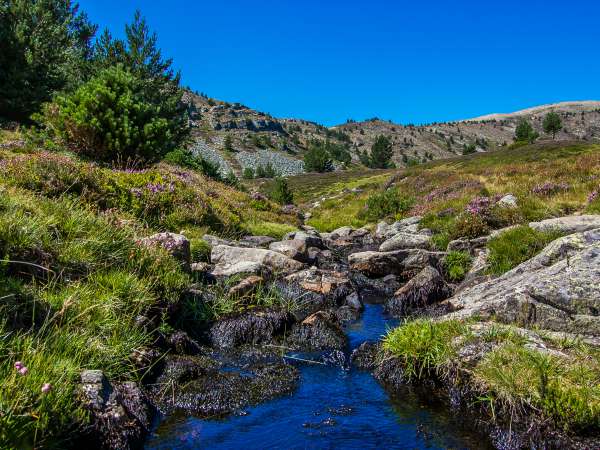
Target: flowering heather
[
  {"x": 594, "y": 195},
  {"x": 47, "y": 387},
  {"x": 549, "y": 188},
  {"x": 481, "y": 206}
]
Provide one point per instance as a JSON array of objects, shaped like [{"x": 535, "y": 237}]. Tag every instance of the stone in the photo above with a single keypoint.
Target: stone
[
  {"x": 467, "y": 245},
  {"x": 386, "y": 231},
  {"x": 335, "y": 284},
  {"x": 235, "y": 260},
  {"x": 177, "y": 245},
  {"x": 557, "y": 290},
  {"x": 246, "y": 287},
  {"x": 293, "y": 248},
  {"x": 353, "y": 301},
  {"x": 508, "y": 201},
  {"x": 404, "y": 240},
  {"x": 397, "y": 262},
  {"x": 254, "y": 327},
  {"x": 568, "y": 224},
  {"x": 258, "y": 241},
  {"x": 426, "y": 288},
  {"x": 310, "y": 238},
  {"x": 341, "y": 232},
  {"x": 213, "y": 241},
  {"x": 319, "y": 331}
]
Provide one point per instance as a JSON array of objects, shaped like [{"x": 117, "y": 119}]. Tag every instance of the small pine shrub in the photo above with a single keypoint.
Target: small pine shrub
[{"x": 281, "y": 192}]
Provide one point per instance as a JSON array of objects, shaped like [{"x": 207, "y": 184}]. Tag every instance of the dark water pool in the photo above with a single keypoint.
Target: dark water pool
[{"x": 332, "y": 408}]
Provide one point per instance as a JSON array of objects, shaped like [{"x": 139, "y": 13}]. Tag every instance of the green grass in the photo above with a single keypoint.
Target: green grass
[
  {"x": 273, "y": 229},
  {"x": 72, "y": 284},
  {"x": 522, "y": 381},
  {"x": 514, "y": 246},
  {"x": 424, "y": 346},
  {"x": 456, "y": 265}
]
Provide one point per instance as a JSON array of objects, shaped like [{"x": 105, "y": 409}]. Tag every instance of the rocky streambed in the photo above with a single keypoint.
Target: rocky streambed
[{"x": 310, "y": 371}]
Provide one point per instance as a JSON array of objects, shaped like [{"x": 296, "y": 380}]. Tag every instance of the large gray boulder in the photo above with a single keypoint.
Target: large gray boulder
[
  {"x": 398, "y": 262},
  {"x": 557, "y": 290},
  {"x": 568, "y": 224},
  {"x": 404, "y": 240},
  {"x": 235, "y": 260},
  {"x": 310, "y": 238},
  {"x": 386, "y": 231},
  {"x": 293, "y": 248}
]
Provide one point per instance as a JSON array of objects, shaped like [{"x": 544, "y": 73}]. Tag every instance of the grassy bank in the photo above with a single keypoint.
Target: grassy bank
[
  {"x": 74, "y": 281},
  {"x": 514, "y": 378}
]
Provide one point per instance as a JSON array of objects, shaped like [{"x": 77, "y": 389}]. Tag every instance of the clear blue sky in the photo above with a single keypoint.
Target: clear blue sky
[{"x": 408, "y": 61}]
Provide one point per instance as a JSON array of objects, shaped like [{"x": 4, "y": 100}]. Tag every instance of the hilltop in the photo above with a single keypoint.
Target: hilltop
[{"x": 257, "y": 138}]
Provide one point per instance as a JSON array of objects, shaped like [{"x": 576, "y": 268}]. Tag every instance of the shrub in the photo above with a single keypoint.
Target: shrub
[
  {"x": 456, "y": 265},
  {"x": 381, "y": 153},
  {"x": 281, "y": 192},
  {"x": 185, "y": 158},
  {"x": 385, "y": 204},
  {"x": 469, "y": 226},
  {"x": 248, "y": 173},
  {"x": 515, "y": 246},
  {"x": 267, "y": 171},
  {"x": 110, "y": 119}
]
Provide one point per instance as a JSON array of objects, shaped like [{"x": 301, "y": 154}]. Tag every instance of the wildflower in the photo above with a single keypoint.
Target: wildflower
[
  {"x": 19, "y": 365},
  {"x": 23, "y": 370},
  {"x": 47, "y": 387},
  {"x": 593, "y": 196}
]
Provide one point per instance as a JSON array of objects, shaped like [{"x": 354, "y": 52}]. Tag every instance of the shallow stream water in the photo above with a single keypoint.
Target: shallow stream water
[{"x": 335, "y": 406}]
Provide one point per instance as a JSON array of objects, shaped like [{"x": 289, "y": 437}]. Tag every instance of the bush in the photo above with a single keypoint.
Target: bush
[
  {"x": 185, "y": 158},
  {"x": 110, "y": 119},
  {"x": 469, "y": 226},
  {"x": 267, "y": 171},
  {"x": 281, "y": 192},
  {"x": 456, "y": 265},
  {"x": 515, "y": 246},
  {"x": 248, "y": 173},
  {"x": 386, "y": 204}
]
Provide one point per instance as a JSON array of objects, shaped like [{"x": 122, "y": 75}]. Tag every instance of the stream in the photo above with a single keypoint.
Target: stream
[{"x": 333, "y": 407}]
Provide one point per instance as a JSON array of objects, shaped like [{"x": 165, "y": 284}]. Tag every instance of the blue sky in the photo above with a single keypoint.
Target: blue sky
[{"x": 411, "y": 62}]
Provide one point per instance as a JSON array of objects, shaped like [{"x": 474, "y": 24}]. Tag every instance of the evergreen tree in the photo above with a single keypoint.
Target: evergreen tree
[
  {"x": 139, "y": 54},
  {"x": 317, "y": 158},
  {"x": 552, "y": 123},
  {"x": 281, "y": 192},
  {"x": 381, "y": 153},
  {"x": 44, "y": 48},
  {"x": 525, "y": 132}
]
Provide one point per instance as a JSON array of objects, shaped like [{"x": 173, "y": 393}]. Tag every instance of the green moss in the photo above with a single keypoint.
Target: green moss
[{"x": 515, "y": 246}]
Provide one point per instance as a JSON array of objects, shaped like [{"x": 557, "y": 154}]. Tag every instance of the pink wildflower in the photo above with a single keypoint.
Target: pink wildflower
[{"x": 47, "y": 387}]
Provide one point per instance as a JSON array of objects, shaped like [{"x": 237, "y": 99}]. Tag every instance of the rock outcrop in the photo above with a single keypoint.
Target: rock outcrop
[
  {"x": 556, "y": 290},
  {"x": 235, "y": 260}
]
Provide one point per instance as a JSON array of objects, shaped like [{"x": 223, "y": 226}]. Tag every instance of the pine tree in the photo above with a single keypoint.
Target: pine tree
[
  {"x": 381, "y": 153},
  {"x": 44, "y": 48},
  {"x": 552, "y": 123}
]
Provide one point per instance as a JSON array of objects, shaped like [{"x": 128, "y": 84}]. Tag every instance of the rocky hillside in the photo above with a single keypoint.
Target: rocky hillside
[{"x": 236, "y": 136}]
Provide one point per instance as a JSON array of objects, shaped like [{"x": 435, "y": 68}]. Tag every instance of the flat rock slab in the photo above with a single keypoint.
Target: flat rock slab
[
  {"x": 405, "y": 240},
  {"x": 234, "y": 260},
  {"x": 398, "y": 262},
  {"x": 568, "y": 224}
]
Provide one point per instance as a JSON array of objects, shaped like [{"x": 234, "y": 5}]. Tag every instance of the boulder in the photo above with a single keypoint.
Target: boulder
[
  {"x": 235, "y": 260},
  {"x": 508, "y": 201},
  {"x": 397, "y": 262},
  {"x": 568, "y": 224},
  {"x": 213, "y": 241},
  {"x": 376, "y": 290},
  {"x": 364, "y": 357},
  {"x": 341, "y": 232},
  {"x": 426, "y": 288},
  {"x": 120, "y": 413},
  {"x": 353, "y": 301},
  {"x": 330, "y": 283},
  {"x": 310, "y": 238},
  {"x": 386, "y": 231},
  {"x": 467, "y": 245},
  {"x": 557, "y": 290},
  {"x": 254, "y": 327},
  {"x": 293, "y": 248},
  {"x": 319, "y": 331},
  {"x": 176, "y": 244},
  {"x": 403, "y": 240}
]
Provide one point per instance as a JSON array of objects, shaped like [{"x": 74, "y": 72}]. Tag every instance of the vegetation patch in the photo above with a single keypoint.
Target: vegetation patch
[
  {"x": 517, "y": 245},
  {"x": 456, "y": 265}
]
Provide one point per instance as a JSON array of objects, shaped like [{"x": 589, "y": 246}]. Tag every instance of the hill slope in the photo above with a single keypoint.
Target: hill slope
[{"x": 237, "y": 137}]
